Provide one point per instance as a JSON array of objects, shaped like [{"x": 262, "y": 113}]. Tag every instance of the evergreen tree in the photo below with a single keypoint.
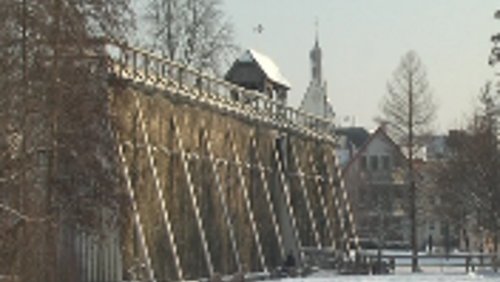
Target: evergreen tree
[{"x": 54, "y": 144}]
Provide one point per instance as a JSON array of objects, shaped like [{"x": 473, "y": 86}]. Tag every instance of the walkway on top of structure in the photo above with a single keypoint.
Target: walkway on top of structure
[{"x": 150, "y": 69}]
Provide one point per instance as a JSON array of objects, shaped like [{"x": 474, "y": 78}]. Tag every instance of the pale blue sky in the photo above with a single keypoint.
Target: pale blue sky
[{"x": 363, "y": 41}]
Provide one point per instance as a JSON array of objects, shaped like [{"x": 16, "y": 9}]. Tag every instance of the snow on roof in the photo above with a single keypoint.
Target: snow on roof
[{"x": 266, "y": 64}]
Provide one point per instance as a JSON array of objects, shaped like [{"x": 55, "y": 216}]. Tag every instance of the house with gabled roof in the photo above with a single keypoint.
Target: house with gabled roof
[{"x": 375, "y": 179}]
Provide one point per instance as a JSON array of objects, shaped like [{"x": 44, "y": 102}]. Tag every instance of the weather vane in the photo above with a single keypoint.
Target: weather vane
[
  {"x": 316, "y": 24},
  {"x": 259, "y": 28}
]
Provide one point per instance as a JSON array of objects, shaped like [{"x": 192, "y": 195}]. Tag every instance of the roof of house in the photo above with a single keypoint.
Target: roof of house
[
  {"x": 266, "y": 65},
  {"x": 356, "y": 135},
  {"x": 379, "y": 131}
]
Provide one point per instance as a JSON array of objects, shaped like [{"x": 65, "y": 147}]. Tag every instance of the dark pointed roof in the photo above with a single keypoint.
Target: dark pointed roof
[{"x": 355, "y": 135}]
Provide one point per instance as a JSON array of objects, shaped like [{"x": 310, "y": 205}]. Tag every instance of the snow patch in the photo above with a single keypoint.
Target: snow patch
[{"x": 266, "y": 64}]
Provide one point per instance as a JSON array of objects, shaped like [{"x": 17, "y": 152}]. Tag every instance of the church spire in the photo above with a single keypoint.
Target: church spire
[
  {"x": 315, "y": 99},
  {"x": 315, "y": 57},
  {"x": 316, "y": 32}
]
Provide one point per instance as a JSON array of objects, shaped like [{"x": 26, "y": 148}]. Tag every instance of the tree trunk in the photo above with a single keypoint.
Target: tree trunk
[{"x": 413, "y": 216}]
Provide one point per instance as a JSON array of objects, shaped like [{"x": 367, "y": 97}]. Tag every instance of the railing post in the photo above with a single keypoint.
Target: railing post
[
  {"x": 146, "y": 66},
  {"x": 162, "y": 71},
  {"x": 158, "y": 67},
  {"x": 467, "y": 264},
  {"x": 199, "y": 84},
  {"x": 134, "y": 63},
  {"x": 180, "y": 71},
  {"x": 124, "y": 61},
  {"x": 261, "y": 107}
]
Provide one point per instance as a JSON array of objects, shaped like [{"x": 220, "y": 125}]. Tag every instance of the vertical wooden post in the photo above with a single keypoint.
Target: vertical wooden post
[{"x": 467, "y": 263}]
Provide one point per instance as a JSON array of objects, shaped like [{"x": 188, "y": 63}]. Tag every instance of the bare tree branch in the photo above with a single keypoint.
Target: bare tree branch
[{"x": 194, "y": 32}]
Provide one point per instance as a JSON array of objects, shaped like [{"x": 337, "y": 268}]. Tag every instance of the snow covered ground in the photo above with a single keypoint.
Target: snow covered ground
[
  {"x": 439, "y": 263},
  {"x": 400, "y": 277},
  {"x": 434, "y": 269}
]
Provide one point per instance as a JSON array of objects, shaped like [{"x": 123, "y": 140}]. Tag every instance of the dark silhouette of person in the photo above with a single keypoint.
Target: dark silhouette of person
[
  {"x": 430, "y": 243},
  {"x": 289, "y": 265},
  {"x": 290, "y": 261}
]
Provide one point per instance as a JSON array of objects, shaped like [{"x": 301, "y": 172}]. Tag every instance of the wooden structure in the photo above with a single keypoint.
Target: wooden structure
[
  {"x": 204, "y": 185},
  {"x": 256, "y": 71}
]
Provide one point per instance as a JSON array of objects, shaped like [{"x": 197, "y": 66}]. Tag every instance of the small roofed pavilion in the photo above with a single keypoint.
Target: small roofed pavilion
[{"x": 256, "y": 71}]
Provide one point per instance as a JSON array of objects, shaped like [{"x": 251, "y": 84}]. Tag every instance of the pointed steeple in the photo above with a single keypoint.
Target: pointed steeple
[
  {"x": 315, "y": 56},
  {"x": 315, "y": 99},
  {"x": 316, "y": 33}
]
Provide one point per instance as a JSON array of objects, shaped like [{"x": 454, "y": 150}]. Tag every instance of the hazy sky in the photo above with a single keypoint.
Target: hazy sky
[{"x": 363, "y": 41}]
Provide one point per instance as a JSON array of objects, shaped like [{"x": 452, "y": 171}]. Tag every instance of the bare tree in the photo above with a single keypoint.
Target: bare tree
[
  {"x": 408, "y": 104},
  {"x": 408, "y": 110},
  {"x": 469, "y": 177},
  {"x": 194, "y": 32},
  {"x": 495, "y": 51}
]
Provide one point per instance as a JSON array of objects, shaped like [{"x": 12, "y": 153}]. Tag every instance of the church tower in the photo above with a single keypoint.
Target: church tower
[
  {"x": 315, "y": 57},
  {"x": 315, "y": 99}
]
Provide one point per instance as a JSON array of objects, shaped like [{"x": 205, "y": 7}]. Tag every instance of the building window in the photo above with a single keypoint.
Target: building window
[
  {"x": 374, "y": 162},
  {"x": 386, "y": 162},
  {"x": 363, "y": 162}
]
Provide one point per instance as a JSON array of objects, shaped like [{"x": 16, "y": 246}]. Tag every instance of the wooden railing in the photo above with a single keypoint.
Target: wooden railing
[
  {"x": 146, "y": 67},
  {"x": 468, "y": 261}
]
